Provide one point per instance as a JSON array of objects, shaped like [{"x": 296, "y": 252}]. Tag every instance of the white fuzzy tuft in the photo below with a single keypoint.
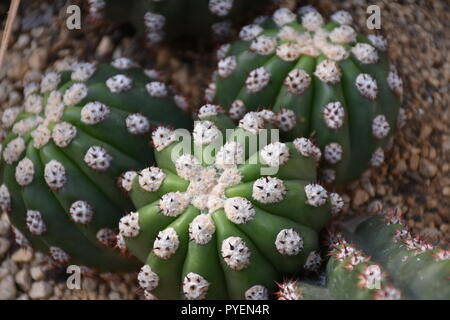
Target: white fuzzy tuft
[
  {"x": 312, "y": 21},
  {"x": 328, "y": 175},
  {"x": 94, "y": 112},
  {"x": 129, "y": 225},
  {"x": 250, "y": 32},
  {"x": 10, "y": 115},
  {"x": 220, "y": 8},
  {"x": 335, "y": 52},
  {"x": 269, "y": 190},
  {"x": 370, "y": 276},
  {"x": 226, "y": 66},
  {"x": 365, "y": 53},
  {"x": 33, "y": 103},
  {"x": 342, "y": 17},
  {"x": 395, "y": 82},
  {"x": 230, "y": 177},
  {"x": 380, "y": 127},
  {"x": 50, "y": 81},
  {"x": 162, "y": 137},
  {"x": 59, "y": 255},
  {"x": 150, "y": 179},
  {"x": 221, "y": 29},
  {"x": 13, "y": 150},
  {"x": 343, "y": 34},
  {"x": 275, "y": 154},
  {"x": 333, "y": 152},
  {"x": 328, "y": 71},
  {"x": 367, "y": 85},
  {"x": 267, "y": 115},
  {"x": 30, "y": 88},
  {"x": 156, "y": 89},
  {"x": 55, "y": 107},
  {"x": 201, "y": 229},
  {"x": 137, "y": 124},
  {"x": 388, "y": 293},
  {"x": 378, "y": 41},
  {"x": 235, "y": 253},
  {"x": 83, "y": 71},
  {"x": 195, "y": 287},
  {"x": 316, "y": 195},
  {"x": 377, "y": 158},
  {"x": 264, "y": 45},
  {"x": 287, "y": 33},
  {"x": 307, "y": 149},
  {"x": 210, "y": 92},
  {"x": 166, "y": 243},
  {"x": 229, "y": 155},
  {"x": 239, "y": 210},
  {"x": 283, "y": 16},
  {"x": 313, "y": 261},
  {"x": 257, "y": 292},
  {"x": 41, "y": 136},
  {"x": 237, "y": 110},
  {"x": 188, "y": 167},
  {"x": 205, "y": 132},
  {"x": 152, "y": 74},
  {"x": 337, "y": 203},
  {"x": 126, "y": 180},
  {"x": 23, "y": 126},
  {"x": 286, "y": 119},
  {"x": 106, "y": 237},
  {"x": 223, "y": 50},
  {"x": 55, "y": 175},
  {"x": 147, "y": 279},
  {"x": 297, "y": 81},
  {"x": 63, "y": 133},
  {"x": 288, "y": 51},
  {"x": 252, "y": 122},
  {"x": 81, "y": 212},
  {"x": 74, "y": 94},
  {"x": 35, "y": 223},
  {"x": 123, "y": 63},
  {"x": 5, "y": 198},
  {"x": 334, "y": 115},
  {"x": 154, "y": 37},
  {"x": 119, "y": 83},
  {"x": 289, "y": 242},
  {"x": 24, "y": 172},
  {"x": 20, "y": 239},
  {"x": 173, "y": 204},
  {"x": 97, "y": 158},
  {"x": 182, "y": 102},
  {"x": 209, "y": 110},
  {"x": 153, "y": 21}
]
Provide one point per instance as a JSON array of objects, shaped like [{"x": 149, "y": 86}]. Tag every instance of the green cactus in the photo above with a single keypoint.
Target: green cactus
[
  {"x": 379, "y": 259},
  {"x": 210, "y": 222},
  {"x": 169, "y": 19},
  {"x": 66, "y": 147},
  {"x": 321, "y": 79}
]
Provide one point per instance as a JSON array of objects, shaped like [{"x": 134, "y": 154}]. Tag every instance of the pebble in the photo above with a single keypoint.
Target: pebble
[
  {"x": 22, "y": 255},
  {"x": 23, "y": 279},
  {"x": 40, "y": 290},
  {"x": 446, "y": 191},
  {"x": 4, "y": 246},
  {"x": 427, "y": 169},
  {"x": 105, "y": 47},
  {"x": 36, "y": 273},
  {"x": 8, "y": 290},
  {"x": 360, "y": 197},
  {"x": 38, "y": 59}
]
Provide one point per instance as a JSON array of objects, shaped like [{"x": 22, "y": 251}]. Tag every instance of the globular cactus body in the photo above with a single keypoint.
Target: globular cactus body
[
  {"x": 66, "y": 148},
  {"x": 221, "y": 229},
  {"x": 321, "y": 79}
]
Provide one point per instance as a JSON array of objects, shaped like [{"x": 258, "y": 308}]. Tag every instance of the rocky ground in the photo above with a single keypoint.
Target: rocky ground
[{"x": 415, "y": 178}]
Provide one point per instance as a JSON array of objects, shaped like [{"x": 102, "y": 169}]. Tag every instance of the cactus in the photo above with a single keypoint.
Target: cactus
[
  {"x": 170, "y": 19},
  {"x": 76, "y": 133},
  {"x": 210, "y": 224},
  {"x": 322, "y": 79},
  {"x": 379, "y": 259}
]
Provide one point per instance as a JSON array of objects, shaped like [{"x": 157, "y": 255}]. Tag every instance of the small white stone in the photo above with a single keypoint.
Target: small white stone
[
  {"x": 297, "y": 81},
  {"x": 380, "y": 127},
  {"x": 150, "y": 179},
  {"x": 162, "y": 137},
  {"x": 24, "y": 172},
  {"x": 50, "y": 81},
  {"x": 83, "y": 71},
  {"x": 252, "y": 122},
  {"x": 153, "y": 21},
  {"x": 289, "y": 242},
  {"x": 63, "y": 134},
  {"x": 148, "y": 279},
  {"x": 205, "y": 132},
  {"x": 275, "y": 154},
  {"x": 166, "y": 243},
  {"x": 97, "y": 158},
  {"x": 220, "y": 8},
  {"x": 334, "y": 115},
  {"x": 250, "y": 32},
  {"x": 35, "y": 223},
  {"x": 367, "y": 85},
  {"x": 126, "y": 180},
  {"x": 119, "y": 83},
  {"x": 81, "y": 212},
  {"x": 226, "y": 66},
  {"x": 239, "y": 210},
  {"x": 328, "y": 71},
  {"x": 316, "y": 195},
  {"x": 365, "y": 53},
  {"x": 173, "y": 204},
  {"x": 129, "y": 225},
  {"x": 235, "y": 253},
  {"x": 333, "y": 152},
  {"x": 307, "y": 149},
  {"x": 157, "y": 89},
  {"x": 201, "y": 229},
  {"x": 14, "y": 150},
  {"x": 229, "y": 155},
  {"x": 264, "y": 45},
  {"x": 395, "y": 82},
  {"x": 30, "y": 88},
  {"x": 269, "y": 190},
  {"x": 55, "y": 174},
  {"x": 257, "y": 292},
  {"x": 137, "y": 124}
]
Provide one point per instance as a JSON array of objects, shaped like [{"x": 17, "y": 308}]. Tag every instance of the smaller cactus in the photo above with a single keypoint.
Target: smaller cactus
[{"x": 379, "y": 259}]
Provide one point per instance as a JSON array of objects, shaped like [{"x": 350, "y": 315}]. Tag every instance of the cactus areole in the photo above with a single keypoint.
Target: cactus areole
[
  {"x": 321, "y": 79},
  {"x": 221, "y": 228},
  {"x": 65, "y": 150}
]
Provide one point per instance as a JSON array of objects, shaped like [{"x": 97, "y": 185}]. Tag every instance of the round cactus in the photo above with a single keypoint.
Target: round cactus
[
  {"x": 65, "y": 149},
  {"x": 211, "y": 224},
  {"x": 169, "y": 19},
  {"x": 322, "y": 79}
]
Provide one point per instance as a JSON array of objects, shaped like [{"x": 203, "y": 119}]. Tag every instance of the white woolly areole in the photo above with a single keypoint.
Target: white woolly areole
[
  {"x": 316, "y": 195},
  {"x": 63, "y": 133},
  {"x": 94, "y": 112},
  {"x": 335, "y": 52},
  {"x": 123, "y": 63},
  {"x": 50, "y": 81},
  {"x": 333, "y": 152},
  {"x": 313, "y": 261},
  {"x": 129, "y": 225},
  {"x": 221, "y": 29},
  {"x": 20, "y": 239},
  {"x": 119, "y": 83},
  {"x": 74, "y": 94},
  {"x": 59, "y": 255},
  {"x": 137, "y": 123},
  {"x": 98, "y": 158},
  {"x": 166, "y": 243},
  {"x": 297, "y": 81},
  {"x": 370, "y": 276},
  {"x": 367, "y": 85},
  {"x": 289, "y": 242},
  {"x": 156, "y": 89},
  {"x": 55, "y": 174},
  {"x": 289, "y": 51},
  {"x": 343, "y": 34},
  {"x": 24, "y": 172},
  {"x": 106, "y": 237},
  {"x": 307, "y": 149},
  {"x": 275, "y": 154},
  {"x": 226, "y": 66},
  {"x": 5, "y": 198},
  {"x": 83, "y": 71},
  {"x": 252, "y": 122},
  {"x": 153, "y": 21},
  {"x": 30, "y": 88},
  {"x": 205, "y": 132},
  {"x": 250, "y": 32},
  {"x": 328, "y": 71},
  {"x": 9, "y": 116},
  {"x": 147, "y": 279},
  {"x": 264, "y": 45},
  {"x": 283, "y": 16},
  {"x": 13, "y": 150},
  {"x": 239, "y": 210},
  {"x": 334, "y": 115},
  {"x": 378, "y": 41},
  {"x": 230, "y": 177},
  {"x": 55, "y": 107},
  {"x": 25, "y": 125},
  {"x": 195, "y": 287},
  {"x": 201, "y": 229},
  {"x": 342, "y": 17},
  {"x": 312, "y": 21},
  {"x": 388, "y": 293},
  {"x": 337, "y": 203},
  {"x": 395, "y": 82},
  {"x": 81, "y": 212},
  {"x": 126, "y": 180},
  {"x": 210, "y": 92},
  {"x": 150, "y": 179},
  {"x": 152, "y": 73},
  {"x": 35, "y": 223},
  {"x": 203, "y": 182},
  {"x": 182, "y": 102},
  {"x": 235, "y": 253},
  {"x": 220, "y": 8},
  {"x": 286, "y": 119},
  {"x": 237, "y": 110},
  {"x": 269, "y": 190},
  {"x": 41, "y": 136},
  {"x": 162, "y": 137},
  {"x": 154, "y": 37},
  {"x": 287, "y": 33},
  {"x": 365, "y": 53},
  {"x": 230, "y": 154},
  {"x": 223, "y": 50},
  {"x": 377, "y": 158},
  {"x": 173, "y": 204},
  {"x": 328, "y": 175},
  {"x": 209, "y": 110},
  {"x": 188, "y": 167},
  {"x": 33, "y": 103},
  {"x": 380, "y": 127},
  {"x": 267, "y": 115},
  {"x": 257, "y": 292}
]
